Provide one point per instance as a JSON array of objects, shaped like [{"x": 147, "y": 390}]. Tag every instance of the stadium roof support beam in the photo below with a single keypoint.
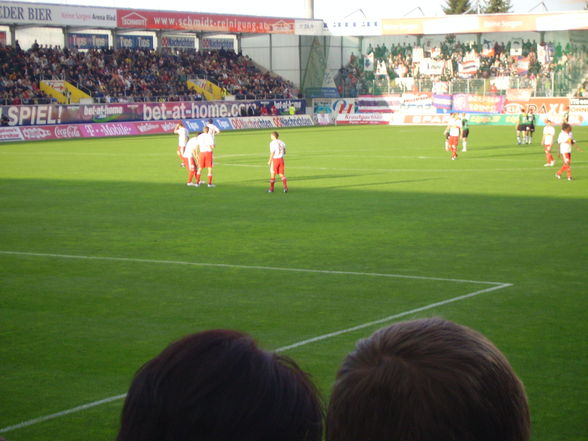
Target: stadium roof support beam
[{"x": 12, "y": 30}]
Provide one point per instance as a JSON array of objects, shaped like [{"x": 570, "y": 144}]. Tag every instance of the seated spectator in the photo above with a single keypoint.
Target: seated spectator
[
  {"x": 427, "y": 380},
  {"x": 128, "y": 75},
  {"x": 219, "y": 386}
]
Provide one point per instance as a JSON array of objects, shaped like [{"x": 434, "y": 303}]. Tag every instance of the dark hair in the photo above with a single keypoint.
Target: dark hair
[
  {"x": 276, "y": 134},
  {"x": 426, "y": 380},
  {"x": 219, "y": 386},
  {"x": 210, "y": 121},
  {"x": 565, "y": 126}
]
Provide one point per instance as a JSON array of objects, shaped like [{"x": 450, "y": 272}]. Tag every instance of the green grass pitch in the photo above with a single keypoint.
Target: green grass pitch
[{"x": 106, "y": 257}]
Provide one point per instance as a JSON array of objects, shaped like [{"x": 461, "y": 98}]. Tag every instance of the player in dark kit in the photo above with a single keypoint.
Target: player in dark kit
[{"x": 530, "y": 126}]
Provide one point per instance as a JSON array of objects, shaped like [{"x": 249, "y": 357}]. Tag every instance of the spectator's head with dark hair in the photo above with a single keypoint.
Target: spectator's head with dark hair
[
  {"x": 427, "y": 380},
  {"x": 219, "y": 386}
]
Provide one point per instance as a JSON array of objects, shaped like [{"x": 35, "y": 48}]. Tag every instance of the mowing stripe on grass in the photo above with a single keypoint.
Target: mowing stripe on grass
[
  {"x": 497, "y": 286},
  {"x": 247, "y": 267}
]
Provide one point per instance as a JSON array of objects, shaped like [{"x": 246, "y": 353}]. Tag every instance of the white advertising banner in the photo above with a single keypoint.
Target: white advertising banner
[
  {"x": 363, "y": 27},
  {"x": 345, "y": 119},
  {"x": 310, "y": 27},
  {"x": 56, "y": 15}
]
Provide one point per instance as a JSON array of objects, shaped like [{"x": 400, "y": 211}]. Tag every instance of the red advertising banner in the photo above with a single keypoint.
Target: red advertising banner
[
  {"x": 2, "y": 38},
  {"x": 187, "y": 21}
]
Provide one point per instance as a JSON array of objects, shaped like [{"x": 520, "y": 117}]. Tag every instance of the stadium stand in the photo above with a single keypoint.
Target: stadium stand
[
  {"x": 129, "y": 75},
  {"x": 493, "y": 60}
]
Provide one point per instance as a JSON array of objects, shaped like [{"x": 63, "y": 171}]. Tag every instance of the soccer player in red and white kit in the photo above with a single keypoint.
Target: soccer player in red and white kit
[
  {"x": 205, "y": 148},
  {"x": 454, "y": 130},
  {"x": 212, "y": 129},
  {"x": 189, "y": 158},
  {"x": 566, "y": 140},
  {"x": 182, "y": 133},
  {"x": 547, "y": 142},
  {"x": 276, "y": 162}
]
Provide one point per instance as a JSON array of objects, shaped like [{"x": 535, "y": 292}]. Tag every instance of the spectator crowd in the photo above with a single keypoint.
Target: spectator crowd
[
  {"x": 128, "y": 75},
  {"x": 523, "y": 59}
]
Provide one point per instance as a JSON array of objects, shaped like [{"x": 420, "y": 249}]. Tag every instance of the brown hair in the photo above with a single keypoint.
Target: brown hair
[
  {"x": 426, "y": 380},
  {"x": 219, "y": 386}
]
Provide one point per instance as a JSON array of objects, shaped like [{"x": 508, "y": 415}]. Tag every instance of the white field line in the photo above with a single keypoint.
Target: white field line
[
  {"x": 248, "y": 267},
  {"x": 496, "y": 286},
  {"x": 405, "y": 170}
]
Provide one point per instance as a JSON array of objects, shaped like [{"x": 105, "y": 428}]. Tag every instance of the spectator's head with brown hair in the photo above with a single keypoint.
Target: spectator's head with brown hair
[
  {"x": 427, "y": 380},
  {"x": 219, "y": 386}
]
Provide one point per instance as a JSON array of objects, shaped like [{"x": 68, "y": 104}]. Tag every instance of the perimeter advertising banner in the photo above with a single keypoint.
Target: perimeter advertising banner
[
  {"x": 579, "y": 105},
  {"x": 188, "y": 21},
  {"x": 478, "y": 103},
  {"x": 56, "y": 15},
  {"x": 334, "y": 106},
  {"x": 48, "y": 114},
  {"x": 2, "y": 38},
  {"x": 537, "y": 105},
  {"x": 99, "y": 130}
]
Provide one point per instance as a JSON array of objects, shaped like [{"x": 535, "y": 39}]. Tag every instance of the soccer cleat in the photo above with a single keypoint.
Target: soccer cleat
[
  {"x": 285, "y": 190},
  {"x": 211, "y": 185},
  {"x": 189, "y": 184},
  {"x": 549, "y": 164},
  {"x": 196, "y": 185},
  {"x": 557, "y": 176},
  {"x": 570, "y": 179},
  {"x": 270, "y": 191},
  {"x": 552, "y": 163}
]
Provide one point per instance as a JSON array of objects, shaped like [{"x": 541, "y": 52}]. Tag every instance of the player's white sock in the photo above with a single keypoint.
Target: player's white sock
[
  {"x": 518, "y": 139},
  {"x": 465, "y": 146}
]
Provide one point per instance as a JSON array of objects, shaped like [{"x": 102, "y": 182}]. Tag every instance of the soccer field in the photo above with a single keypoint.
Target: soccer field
[{"x": 106, "y": 257}]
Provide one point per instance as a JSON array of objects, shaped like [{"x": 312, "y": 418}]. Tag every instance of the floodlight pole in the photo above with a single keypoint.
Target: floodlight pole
[{"x": 309, "y": 8}]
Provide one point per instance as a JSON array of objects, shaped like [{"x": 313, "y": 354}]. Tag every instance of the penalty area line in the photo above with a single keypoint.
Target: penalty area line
[{"x": 497, "y": 286}]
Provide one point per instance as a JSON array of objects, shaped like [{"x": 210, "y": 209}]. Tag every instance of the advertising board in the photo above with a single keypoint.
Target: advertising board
[
  {"x": 551, "y": 105},
  {"x": 99, "y": 130},
  {"x": 478, "y": 103},
  {"x": 178, "y": 41},
  {"x": 135, "y": 41},
  {"x": 87, "y": 41},
  {"x": 188, "y": 21},
  {"x": 57, "y": 15},
  {"x": 334, "y": 105},
  {"x": 47, "y": 114}
]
